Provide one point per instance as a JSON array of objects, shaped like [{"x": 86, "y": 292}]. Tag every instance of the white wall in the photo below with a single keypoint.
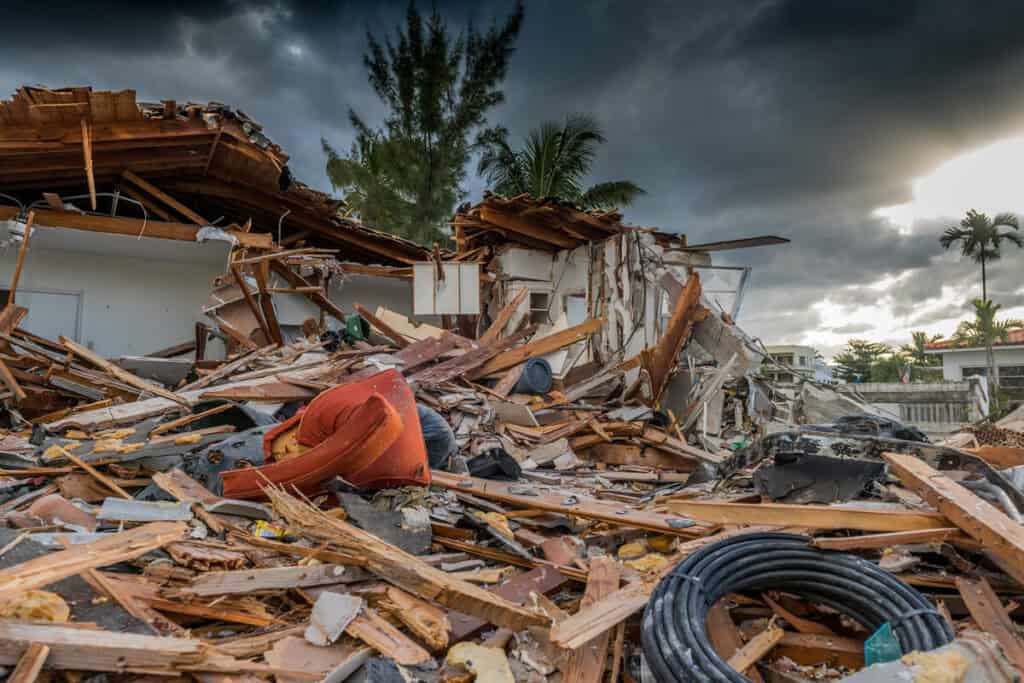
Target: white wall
[
  {"x": 954, "y": 361},
  {"x": 136, "y": 295}
]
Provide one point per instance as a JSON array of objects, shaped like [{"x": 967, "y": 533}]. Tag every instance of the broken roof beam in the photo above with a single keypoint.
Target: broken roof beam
[
  {"x": 305, "y": 288},
  {"x": 320, "y": 224},
  {"x": 540, "y": 347},
  {"x": 87, "y": 159},
  {"x": 660, "y": 360},
  {"x": 514, "y": 222},
  {"x": 165, "y": 198},
  {"x": 129, "y": 226}
]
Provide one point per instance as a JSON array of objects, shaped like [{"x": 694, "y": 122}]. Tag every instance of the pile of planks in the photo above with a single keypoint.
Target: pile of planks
[{"x": 113, "y": 558}]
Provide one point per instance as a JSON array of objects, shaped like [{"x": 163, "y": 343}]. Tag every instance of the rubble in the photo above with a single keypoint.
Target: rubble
[{"x": 514, "y": 495}]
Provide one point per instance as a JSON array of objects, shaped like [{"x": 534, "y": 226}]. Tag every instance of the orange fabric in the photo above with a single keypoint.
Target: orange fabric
[
  {"x": 370, "y": 426},
  {"x": 404, "y": 463}
]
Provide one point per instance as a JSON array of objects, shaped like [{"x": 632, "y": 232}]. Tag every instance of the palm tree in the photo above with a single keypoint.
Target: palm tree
[
  {"x": 984, "y": 330},
  {"x": 553, "y": 163},
  {"x": 916, "y": 350},
  {"x": 980, "y": 238}
]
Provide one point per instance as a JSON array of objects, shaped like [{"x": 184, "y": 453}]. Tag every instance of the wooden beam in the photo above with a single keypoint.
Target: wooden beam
[
  {"x": 725, "y": 637},
  {"x": 807, "y": 516},
  {"x": 587, "y": 663},
  {"x": 30, "y": 665},
  {"x": 299, "y": 282},
  {"x": 84, "y": 649},
  {"x": 977, "y": 517},
  {"x": 875, "y": 541},
  {"x": 987, "y": 611},
  {"x": 134, "y": 227},
  {"x": 662, "y": 358},
  {"x": 145, "y": 201},
  {"x": 591, "y": 621},
  {"x": 504, "y": 316},
  {"x": 515, "y": 223},
  {"x": 94, "y": 473},
  {"x": 576, "y": 506},
  {"x": 165, "y": 198},
  {"x": 540, "y": 347},
  {"x": 189, "y": 419},
  {"x": 22, "y": 249},
  {"x": 261, "y": 272},
  {"x": 758, "y": 646},
  {"x": 87, "y": 156},
  {"x": 402, "y": 569},
  {"x": 250, "y": 301},
  {"x": 111, "y": 549},
  {"x": 120, "y": 373},
  {"x": 392, "y": 334}
]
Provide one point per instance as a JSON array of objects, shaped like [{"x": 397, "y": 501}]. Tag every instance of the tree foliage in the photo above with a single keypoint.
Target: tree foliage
[
  {"x": 981, "y": 239},
  {"x": 856, "y": 361},
  {"x": 554, "y": 161},
  {"x": 915, "y": 351},
  {"x": 406, "y": 176}
]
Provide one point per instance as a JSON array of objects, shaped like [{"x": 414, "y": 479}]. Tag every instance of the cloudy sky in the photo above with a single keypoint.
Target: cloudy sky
[{"x": 810, "y": 120}]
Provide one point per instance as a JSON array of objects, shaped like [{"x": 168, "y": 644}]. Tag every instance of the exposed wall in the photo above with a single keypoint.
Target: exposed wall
[
  {"x": 130, "y": 295},
  {"x": 372, "y": 291}
]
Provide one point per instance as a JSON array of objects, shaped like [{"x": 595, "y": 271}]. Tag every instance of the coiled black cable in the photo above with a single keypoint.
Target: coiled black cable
[{"x": 675, "y": 640}]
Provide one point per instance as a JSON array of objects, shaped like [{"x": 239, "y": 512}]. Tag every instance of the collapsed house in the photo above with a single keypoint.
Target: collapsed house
[{"x": 546, "y": 455}]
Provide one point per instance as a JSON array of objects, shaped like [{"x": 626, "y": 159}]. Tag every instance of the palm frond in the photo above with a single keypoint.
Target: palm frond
[{"x": 610, "y": 195}]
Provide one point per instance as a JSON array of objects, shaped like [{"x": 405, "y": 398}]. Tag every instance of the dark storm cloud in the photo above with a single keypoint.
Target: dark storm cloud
[{"x": 775, "y": 117}]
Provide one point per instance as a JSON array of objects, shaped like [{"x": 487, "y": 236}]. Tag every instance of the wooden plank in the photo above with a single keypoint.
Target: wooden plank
[
  {"x": 595, "y": 619},
  {"x": 540, "y": 347},
  {"x": 210, "y": 612},
  {"x": 11, "y": 383},
  {"x": 725, "y": 637},
  {"x": 90, "y": 179},
  {"x": 30, "y": 664},
  {"x": 275, "y": 578},
  {"x": 250, "y": 301},
  {"x": 120, "y": 373},
  {"x": 230, "y": 368},
  {"x": 512, "y": 221},
  {"x": 977, "y": 517},
  {"x": 587, "y": 663},
  {"x": 273, "y": 327},
  {"x": 13, "y": 289},
  {"x": 94, "y": 473},
  {"x": 378, "y": 633},
  {"x": 392, "y": 334},
  {"x": 462, "y": 365},
  {"x": 662, "y": 358},
  {"x": 82, "y": 649},
  {"x": 299, "y": 282},
  {"x": 807, "y": 516},
  {"x": 812, "y": 650},
  {"x": 119, "y": 547},
  {"x": 165, "y": 198},
  {"x": 873, "y": 541},
  {"x": 760, "y": 645},
  {"x": 542, "y": 580},
  {"x": 494, "y": 332},
  {"x": 189, "y": 419},
  {"x": 987, "y": 611},
  {"x": 577, "y": 506},
  {"x": 402, "y": 569}
]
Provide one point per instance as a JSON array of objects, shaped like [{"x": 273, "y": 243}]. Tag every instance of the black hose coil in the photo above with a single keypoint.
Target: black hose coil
[{"x": 675, "y": 640}]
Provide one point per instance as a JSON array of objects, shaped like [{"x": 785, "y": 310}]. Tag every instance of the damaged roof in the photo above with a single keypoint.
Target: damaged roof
[
  {"x": 1013, "y": 338},
  {"x": 79, "y": 141},
  {"x": 536, "y": 222}
]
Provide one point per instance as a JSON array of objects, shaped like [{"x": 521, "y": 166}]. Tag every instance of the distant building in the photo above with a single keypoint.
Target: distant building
[
  {"x": 802, "y": 363},
  {"x": 960, "y": 361}
]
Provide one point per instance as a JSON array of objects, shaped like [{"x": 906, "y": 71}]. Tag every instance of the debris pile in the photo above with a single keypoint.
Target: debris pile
[{"x": 513, "y": 495}]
